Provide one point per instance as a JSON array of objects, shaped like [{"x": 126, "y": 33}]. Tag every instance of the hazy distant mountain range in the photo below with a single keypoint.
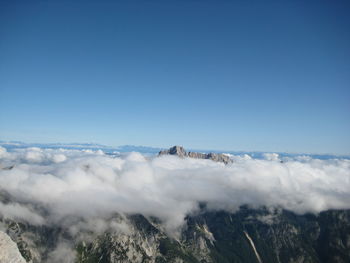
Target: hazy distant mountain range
[
  {"x": 150, "y": 150},
  {"x": 80, "y": 146}
]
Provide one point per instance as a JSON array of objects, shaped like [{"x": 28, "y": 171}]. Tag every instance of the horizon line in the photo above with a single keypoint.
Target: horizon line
[{"x": 99, "y": 145}]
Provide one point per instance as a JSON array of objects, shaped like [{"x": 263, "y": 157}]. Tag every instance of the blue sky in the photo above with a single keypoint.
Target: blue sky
[{"x": 230, "y": 75}]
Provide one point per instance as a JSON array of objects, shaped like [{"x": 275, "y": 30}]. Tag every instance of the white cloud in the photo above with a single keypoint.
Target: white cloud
[
  {"x": 3, "y": 152},
  {"x": 91, "y": 184},
  {"x": 271, "y": 157},
  {"x": 64, "y": 250},
  {"x": 17, "y": 211}
]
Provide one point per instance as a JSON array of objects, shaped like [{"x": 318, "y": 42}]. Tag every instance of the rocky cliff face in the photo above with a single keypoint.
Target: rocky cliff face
[
  {"x": 181, "y": 152},
  {"x": 9, "y": 252},
  {"x": 249, "y": 235}
]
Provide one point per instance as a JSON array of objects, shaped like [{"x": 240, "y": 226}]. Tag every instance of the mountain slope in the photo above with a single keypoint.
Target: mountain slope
[{"x": 249, "y": 235}]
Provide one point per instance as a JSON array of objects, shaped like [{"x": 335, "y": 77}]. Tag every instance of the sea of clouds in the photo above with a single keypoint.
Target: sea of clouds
[{"x": 91, "y": 184}]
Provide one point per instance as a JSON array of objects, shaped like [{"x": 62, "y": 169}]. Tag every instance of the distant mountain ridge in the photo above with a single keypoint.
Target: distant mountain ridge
[
  {"x": 153, "y": 150},
  {"x": 181, "y": 152},
  {"x": 80, "y": 146},
  {"x": 140, "y": 149},
  {"x": 19, "y": 144}
]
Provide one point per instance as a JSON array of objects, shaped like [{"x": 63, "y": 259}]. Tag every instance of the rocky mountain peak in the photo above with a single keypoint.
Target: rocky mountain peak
[
  {"x": 181, "y": 152},
  {"x": 177, "y": 150}
]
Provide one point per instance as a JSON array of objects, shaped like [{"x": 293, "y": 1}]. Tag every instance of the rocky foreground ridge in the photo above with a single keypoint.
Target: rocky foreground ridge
[
  {"x": 247, "y": 236},
  {"x": 181, "y": 152},
  {"x": 9, "y": 252}
]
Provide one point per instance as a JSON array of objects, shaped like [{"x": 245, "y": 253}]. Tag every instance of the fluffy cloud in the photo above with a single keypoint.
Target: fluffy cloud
[
  {"x": 17, "y": 211},
  {"x": 94, "y": 185}
]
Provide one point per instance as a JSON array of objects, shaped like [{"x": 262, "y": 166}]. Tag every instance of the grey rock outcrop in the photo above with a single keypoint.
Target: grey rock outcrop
[
  {"x": 9, "y": 252},
  {"x": 181, "y": 152}
]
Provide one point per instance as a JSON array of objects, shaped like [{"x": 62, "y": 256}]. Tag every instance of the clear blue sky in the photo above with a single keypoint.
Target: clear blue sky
[{"x": 234, "y": 75}]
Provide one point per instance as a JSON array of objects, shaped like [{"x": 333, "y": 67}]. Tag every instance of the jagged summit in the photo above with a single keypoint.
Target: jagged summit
[
  {"x": 181, "y": 152},
  {"x": 175, "y": 150}
]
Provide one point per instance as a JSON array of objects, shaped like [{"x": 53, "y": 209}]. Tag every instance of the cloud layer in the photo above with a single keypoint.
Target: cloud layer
[{"x": 91, "y": 184}]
